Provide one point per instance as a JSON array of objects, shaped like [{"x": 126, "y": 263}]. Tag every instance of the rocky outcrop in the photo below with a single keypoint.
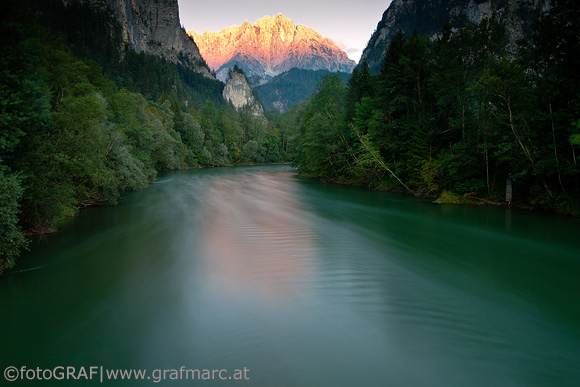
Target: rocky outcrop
[
  {"x": 239, "y": 92},
  {"x": 428, "y": 17},
  {"x": 271, "y": 46},
  {"x": 153, "y": 26}
]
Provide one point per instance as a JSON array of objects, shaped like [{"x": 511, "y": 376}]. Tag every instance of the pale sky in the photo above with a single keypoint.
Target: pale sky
[{"x": 348, "y": 23}]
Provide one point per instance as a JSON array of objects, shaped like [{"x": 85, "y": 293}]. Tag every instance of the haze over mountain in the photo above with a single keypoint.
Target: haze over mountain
[{"x": 269, "y": 47}]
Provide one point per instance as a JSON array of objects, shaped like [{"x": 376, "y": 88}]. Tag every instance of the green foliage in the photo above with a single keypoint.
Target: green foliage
[
  {"x": 359, "y": 86},
  {"x": 11, "y": 238},
  {"x": 155, "y": 78},
  {"x": 252, "y": 152},
  {"x": 448, "y": 197},
  {"x": 80, "y": 123},
  {"x": 23, "y": 100},
  {"x": 290, "y": 88},
  {"x": 322, "y": 121},
  {"x": 458, "y": 114}
]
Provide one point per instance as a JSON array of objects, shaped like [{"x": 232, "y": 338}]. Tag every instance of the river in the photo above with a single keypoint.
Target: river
[{"x": 300, "y": 283}]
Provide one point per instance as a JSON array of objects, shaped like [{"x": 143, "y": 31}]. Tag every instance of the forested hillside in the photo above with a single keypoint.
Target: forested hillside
[
  {"x": 290, "y": 88},
  {"x": 83, "y": 119},
  {"x": 457, "y": 117}
]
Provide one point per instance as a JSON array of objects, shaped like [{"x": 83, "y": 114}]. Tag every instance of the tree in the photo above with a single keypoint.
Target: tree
[
  {"x": 11, "y": 238},
  {"x": 23, "y": 97},
  {"x": 553, "y": 56},
  {"x": 322, "y": 130},
  {"x": 359, "y": 86}
]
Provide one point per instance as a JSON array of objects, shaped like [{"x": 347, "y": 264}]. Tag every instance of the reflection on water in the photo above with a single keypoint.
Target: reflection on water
[
  {"x": 303, "y": 283},
  {"x": 255, "y": 236}
]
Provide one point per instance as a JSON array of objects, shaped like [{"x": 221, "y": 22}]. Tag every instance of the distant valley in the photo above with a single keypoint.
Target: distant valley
[{"x": 291, "y": 87}]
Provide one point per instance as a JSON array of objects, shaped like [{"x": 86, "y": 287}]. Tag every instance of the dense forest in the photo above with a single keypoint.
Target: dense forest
[
  {"x": 456, "y": 116},
  {"x": 83, "y": 119}
]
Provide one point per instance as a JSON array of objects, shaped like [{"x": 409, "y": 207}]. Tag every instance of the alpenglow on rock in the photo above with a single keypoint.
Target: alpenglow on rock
[
  {"x": 153, "y": 26},
  {"x": 271, "y": 46},
  {"x": 428, "y": 17},
  {"x": 239, "y": 92}
]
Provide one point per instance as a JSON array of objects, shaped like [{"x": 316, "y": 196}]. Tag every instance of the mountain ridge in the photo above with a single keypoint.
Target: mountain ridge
[
  {"x": 428, "y": 17},
  {"x": 153, "y": 26},
  {"x": 269, "y": 47}
]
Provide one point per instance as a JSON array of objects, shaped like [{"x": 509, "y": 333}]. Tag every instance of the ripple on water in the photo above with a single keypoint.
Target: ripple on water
[{"x": 307, "y": 284}]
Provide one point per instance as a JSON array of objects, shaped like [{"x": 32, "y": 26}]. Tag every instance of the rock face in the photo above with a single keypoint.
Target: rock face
[
  {"x": 153, "y": 26},
  {"x": 428, "y": 17},
  {"x": 269, "y": 47},
  {"x": 239, "y": 92}
]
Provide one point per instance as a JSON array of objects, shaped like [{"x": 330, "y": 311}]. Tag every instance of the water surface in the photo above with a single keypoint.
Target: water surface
[{"x": 302, "y": 283}]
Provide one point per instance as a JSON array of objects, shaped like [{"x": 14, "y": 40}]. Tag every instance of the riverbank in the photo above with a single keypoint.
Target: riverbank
[
  {"x": 451, "y": 198},
  {"x": 42, "y": 229}
]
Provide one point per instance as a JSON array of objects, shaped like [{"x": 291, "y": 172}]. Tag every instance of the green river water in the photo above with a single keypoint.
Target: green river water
[{"x": 300, "y": 283}]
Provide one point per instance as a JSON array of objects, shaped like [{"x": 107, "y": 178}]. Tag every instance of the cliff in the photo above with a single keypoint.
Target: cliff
[
  {"x": 271, "y": 46},
  {"x": 239, "y": 92},
  {"x": 153, "y": 26},
  {"x": 428, "y": 17}
]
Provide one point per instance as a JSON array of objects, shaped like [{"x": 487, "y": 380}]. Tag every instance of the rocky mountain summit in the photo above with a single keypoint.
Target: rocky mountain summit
[
  {"x": 153, "y": 26},
  {"x": 270, "y": 46},
  {"x": 428, "y": 17},
  {"x": 239, "y": 92}
]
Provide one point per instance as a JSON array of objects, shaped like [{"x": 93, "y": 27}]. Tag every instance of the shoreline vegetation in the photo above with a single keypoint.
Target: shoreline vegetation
[
  {"x": 84, "y": 119},
  {"x": 445, "y": 197},
  {"x": 53, "y": 228},
  {"x": 456, "y": 117}
]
